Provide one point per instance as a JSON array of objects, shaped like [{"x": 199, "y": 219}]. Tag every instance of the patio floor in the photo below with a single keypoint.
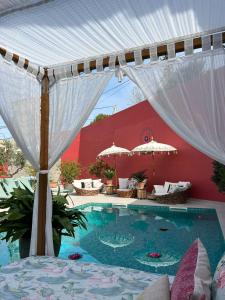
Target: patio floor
[{"x": 193, "y": 203}]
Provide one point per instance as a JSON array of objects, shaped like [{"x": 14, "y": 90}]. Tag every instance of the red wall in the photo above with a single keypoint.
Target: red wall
[{"x": 128, "y": 129}]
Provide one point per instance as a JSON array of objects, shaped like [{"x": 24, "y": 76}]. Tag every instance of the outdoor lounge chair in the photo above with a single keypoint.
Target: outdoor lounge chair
[
  {"x": 3, "y": 194},
  {"x": 171, "y": 193},
  {"x": 25, "y": 181},
  {"x": 87, "y": 187},
  {"x": 127, "y": 188}
]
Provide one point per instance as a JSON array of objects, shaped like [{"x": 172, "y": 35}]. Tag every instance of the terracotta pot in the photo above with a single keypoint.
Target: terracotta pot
[
  {"x": 53, "y": 184},
  {"x": 24, "y": 247},
  {"x": 68, "y": 186},
  {"x": 109, "y": 182},
  {"x": 141, "y": 185}
]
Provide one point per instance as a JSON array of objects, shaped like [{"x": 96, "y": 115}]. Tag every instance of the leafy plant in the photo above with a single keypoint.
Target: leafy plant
[
  {"x": 219, "y": 176},
  {"x": 109, "y": 173},
  {"x": 98, "y": 168},
  {"x": 11, "y": 157},
  {"x": 16, "y": 219},
  {"x": 139, "y": 176},
  {"x": 69, "y": 171}
]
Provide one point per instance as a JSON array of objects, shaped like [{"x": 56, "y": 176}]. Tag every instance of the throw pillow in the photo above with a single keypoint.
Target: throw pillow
[
  {"x": 96, "y": 183},
  {"x": 193, "y": 279},
  {"x": 157, "y": 290},
  {"x": 167, "y": 186},
  {"x": 218, "y": 286},
  {"x": 82, "y": 185},
  {"x": 123, "y": 183},
  {"x": 88, "y": 184},
  {"x": 132, "y": 184},
  {"x": 159, "y": 190}
]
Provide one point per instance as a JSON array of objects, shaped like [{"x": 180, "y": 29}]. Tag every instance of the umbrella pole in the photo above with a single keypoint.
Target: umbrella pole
[{"x": 115, "y": 170}]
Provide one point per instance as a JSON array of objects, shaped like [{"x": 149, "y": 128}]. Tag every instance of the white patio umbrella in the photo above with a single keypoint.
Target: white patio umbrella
[
  {"x": 114, "y": 151},
  {"x": 153, "y": 148}
]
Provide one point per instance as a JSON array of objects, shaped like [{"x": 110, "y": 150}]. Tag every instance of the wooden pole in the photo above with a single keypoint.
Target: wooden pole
[{"x": 43, "y": 178}]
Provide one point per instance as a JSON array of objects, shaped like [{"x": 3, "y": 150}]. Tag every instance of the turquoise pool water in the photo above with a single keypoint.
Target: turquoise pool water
[{"x": 123, "y": 236}]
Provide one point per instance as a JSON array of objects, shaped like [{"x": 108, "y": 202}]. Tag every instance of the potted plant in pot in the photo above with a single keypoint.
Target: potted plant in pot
[
  {"x": 109, "y": 174},
  {"x": 16, "y": 219},
  {"x": 69, "y": 171},
  {"x": 141, "y": 179}
]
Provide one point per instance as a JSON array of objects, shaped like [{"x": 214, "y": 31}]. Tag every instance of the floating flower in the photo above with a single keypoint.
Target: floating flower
[
  {"x": 75, "y": 256},
  {"x": 154, "y": 254}
]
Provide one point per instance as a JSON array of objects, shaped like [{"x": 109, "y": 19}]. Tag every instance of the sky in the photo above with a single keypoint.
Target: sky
[{"x": 117, "y": 96}]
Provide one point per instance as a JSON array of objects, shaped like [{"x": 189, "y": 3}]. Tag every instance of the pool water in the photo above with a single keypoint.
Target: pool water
[{"x": 123, "y": 236}]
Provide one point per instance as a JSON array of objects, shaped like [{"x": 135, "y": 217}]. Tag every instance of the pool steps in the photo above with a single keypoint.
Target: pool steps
[{"x": 175, "y": 208}]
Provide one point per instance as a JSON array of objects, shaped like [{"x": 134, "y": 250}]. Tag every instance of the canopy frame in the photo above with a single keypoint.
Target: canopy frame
[{"x": 162, "y": 50}]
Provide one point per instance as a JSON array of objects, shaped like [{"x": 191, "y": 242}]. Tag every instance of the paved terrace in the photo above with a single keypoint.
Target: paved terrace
[{"x": 192, "y": 203}]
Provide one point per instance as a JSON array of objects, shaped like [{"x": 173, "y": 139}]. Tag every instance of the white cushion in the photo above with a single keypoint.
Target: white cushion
[
  {"x": 184, "y": 184},
  {"x": 123, "y": 183},
  {"x": 97, "y": 183},
  {"x": 77, "y": 183},
  {"x": 86, "y": 180},
  {"x": 157, "y": 290},
  {"x": 159, "y": 190},
  {"x": 167, "y": 185}
]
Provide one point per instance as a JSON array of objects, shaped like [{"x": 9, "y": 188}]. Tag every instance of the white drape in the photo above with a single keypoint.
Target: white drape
[
  {"x": 71, "y": 101},
  {"x": 189, "y": 94},
  {"x": 62, "y": 31}
]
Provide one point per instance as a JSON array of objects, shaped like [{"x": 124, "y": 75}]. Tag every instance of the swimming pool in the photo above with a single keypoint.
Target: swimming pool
[{"x": 123, "y": 236}]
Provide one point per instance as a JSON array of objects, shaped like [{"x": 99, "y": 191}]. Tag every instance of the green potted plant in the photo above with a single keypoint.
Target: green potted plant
[
  {"x": 140, "y": 177},
  {"x": 97, "y": 168},
  {"x": 16, "y": 219},
  {"x": 69, "y": 171},
  {"x": 219, "y": 176},
  {"x": 109, "y": 174}
]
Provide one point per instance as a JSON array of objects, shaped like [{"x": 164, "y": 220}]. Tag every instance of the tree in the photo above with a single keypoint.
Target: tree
[
  {"x": 11, "y": 159},
  {"x": 99, "y": 117}
]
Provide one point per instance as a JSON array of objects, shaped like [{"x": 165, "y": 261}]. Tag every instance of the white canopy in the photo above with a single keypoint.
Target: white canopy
[
  {"x": 60, "y": 31},
  {"x": 114, "y": 150},
  {"x": 154, "y": 146}
]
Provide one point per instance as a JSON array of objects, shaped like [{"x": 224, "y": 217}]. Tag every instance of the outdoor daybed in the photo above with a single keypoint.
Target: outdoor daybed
[
  {"x": 171, "y": 193},
  {"x": 50, "y": 277},
  {"x": 87, "y": 187}
]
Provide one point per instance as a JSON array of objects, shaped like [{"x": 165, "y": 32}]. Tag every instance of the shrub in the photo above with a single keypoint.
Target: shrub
[
  {"x": 69, "y": 171},
  {"x": 219, "y": 176}
]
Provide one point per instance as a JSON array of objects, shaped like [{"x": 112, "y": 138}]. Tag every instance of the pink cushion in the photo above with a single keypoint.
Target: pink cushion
[{"x": 193, "y": 279}]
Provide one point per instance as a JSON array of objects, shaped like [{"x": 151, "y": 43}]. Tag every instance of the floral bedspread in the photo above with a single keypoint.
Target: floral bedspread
[{"x": 51, "y": 278}]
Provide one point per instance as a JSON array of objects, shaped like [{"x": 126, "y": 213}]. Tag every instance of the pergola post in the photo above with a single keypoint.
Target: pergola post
[{"x": 43, "y": 177}]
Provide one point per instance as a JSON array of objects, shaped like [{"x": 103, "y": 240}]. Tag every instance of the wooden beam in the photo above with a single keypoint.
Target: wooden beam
[
  {"x": 161, "y": 50},
  {"x": 43, "y": 178}
]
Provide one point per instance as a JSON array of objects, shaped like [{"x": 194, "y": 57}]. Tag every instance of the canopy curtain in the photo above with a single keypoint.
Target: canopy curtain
[
  {"x": 71, "y": 101},
  {"x": 189, "y": 94},
  {"x": 45, "y": 34}
]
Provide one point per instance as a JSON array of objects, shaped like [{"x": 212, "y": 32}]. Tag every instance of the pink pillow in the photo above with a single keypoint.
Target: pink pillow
[{"x": 193, "y": 279}]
